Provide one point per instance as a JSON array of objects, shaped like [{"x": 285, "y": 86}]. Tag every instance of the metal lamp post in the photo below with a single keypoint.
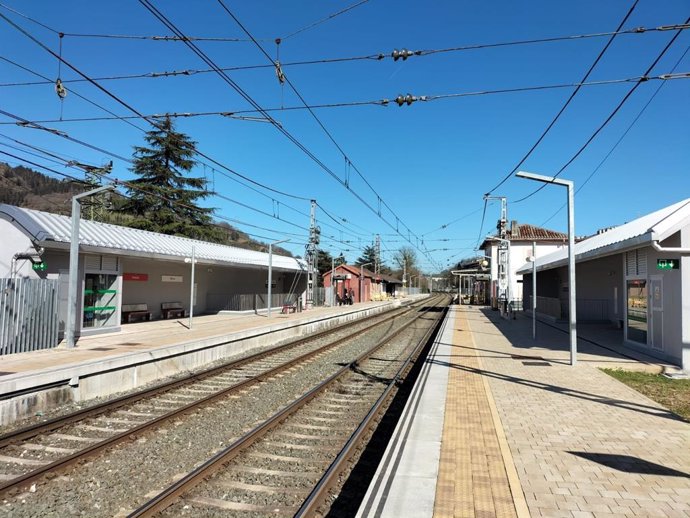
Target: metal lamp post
[
  {"x": 191, "y": 285},
  {"x": 270, "y": 272},
  {"x": 70, "y": 324},
  {"x": 572, "y": 310},
  {"x": 361, "y": 278}
]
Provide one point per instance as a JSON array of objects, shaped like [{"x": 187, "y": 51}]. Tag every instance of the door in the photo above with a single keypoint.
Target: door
[{"x": 657, "y": 311}]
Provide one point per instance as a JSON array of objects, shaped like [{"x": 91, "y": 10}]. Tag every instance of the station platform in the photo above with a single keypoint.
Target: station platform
[
  {"x": 101, "y": 365},
  {"x": 500, "y": 424}
]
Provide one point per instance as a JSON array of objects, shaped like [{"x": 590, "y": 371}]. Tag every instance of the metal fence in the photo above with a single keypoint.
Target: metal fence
[
  {"x": 28, "y": 315},
  {"x": 247, "y": 301}
]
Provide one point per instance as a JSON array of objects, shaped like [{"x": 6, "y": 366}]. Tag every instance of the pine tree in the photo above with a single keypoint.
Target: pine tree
[
  {"x": 368, "y": 256},
  {"x": 163, "y": 198}
]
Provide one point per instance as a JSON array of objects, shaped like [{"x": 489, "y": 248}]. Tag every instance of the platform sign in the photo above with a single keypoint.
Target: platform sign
[
  {"x": 171, "y": 278},
  {"x": 135, "y": 276},
  {"x": 667, "y": 264}
]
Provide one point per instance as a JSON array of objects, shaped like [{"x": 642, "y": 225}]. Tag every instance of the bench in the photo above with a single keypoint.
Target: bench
[
  {"x": 172, "y": 310},
  {"x": 135, "y": 312},
  {"x": 289, "y": 308}
]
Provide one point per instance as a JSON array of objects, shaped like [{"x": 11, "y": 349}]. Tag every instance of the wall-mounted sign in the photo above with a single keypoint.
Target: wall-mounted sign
[
  {"x": 667, "y": 264},
  {"x": 171, "y": 278},
  {"x": 135, "y": 276}
]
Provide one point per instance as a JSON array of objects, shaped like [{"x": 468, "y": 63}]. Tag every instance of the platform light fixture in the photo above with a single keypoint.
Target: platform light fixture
[
  {"x": 270, "y": 273},
  {"x": 70, "y": 323},
  {"x": 572, "y": 309}
]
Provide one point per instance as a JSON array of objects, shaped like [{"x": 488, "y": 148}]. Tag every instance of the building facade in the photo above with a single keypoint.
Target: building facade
[
  {"x": 121, "y": 268},
  {"x": 634, "y": 276}
]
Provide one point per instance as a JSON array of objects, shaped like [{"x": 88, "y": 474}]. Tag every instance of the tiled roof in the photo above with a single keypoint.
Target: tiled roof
[
  {"x": 355, "y": 270},
  {"x": 533, "y": 233},
  {"x": 53, "y": 231},
  {"x": 656, "y": 226}
]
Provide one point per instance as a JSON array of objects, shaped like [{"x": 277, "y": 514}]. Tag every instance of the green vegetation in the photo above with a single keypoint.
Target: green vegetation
[
  {"x": 164, "y": 197},
  {"x": 674, "y": 394}
]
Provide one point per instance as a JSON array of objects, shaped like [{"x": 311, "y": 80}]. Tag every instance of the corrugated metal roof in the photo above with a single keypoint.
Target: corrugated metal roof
[
  {"x": 49, "y": 230},
  {"x": 658, "y": 225}
]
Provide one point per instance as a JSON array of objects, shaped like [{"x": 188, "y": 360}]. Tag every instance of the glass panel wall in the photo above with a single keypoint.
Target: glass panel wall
[
  {"x": 637, "y": 311},
  {"x": 100, "y": 300}
]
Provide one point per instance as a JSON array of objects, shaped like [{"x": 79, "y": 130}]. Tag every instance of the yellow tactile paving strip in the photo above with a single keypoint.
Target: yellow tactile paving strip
[{"x": 473, "y": 480}]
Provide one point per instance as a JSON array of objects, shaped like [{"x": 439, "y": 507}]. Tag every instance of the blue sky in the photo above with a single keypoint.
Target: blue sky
[{"x": 430, "y": 162}]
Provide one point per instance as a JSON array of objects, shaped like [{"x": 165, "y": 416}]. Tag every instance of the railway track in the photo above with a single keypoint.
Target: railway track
[
  {"x": 29, "y": 454},
  {"x": 294, "y": 462}
]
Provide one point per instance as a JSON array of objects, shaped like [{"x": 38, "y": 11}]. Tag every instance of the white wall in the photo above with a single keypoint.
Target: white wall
[{"x": 520, "y": 251}]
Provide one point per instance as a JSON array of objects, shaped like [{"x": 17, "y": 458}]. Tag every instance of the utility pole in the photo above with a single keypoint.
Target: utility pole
[
  {"x": 503, "y": 259},
  {"x": 311, "y": 255},
  {"x": 377, "y": 255},
  {"x": 404, "y": 274},
  {"x": 93, "y": 176}
]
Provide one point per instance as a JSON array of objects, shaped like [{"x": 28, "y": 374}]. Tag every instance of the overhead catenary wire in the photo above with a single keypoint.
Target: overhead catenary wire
[
  {"x": 376, "y": 102},
  {"x": 163, "y": 19},
  {"x": 316, "y": 118},
  {"x": 91, "y": 81},
  {"x": 566, "y": 104},
  {"x": 129, "y": 185},
  {"x": 126, "y": 105},
  {"x": 178, "y": 38},
  {"x": 621, "y": 138},
  {"x": 609, "y": 118},
  {"x": 379, "y": 56}
]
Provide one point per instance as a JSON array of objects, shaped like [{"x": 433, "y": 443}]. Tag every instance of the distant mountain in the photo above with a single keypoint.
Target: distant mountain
[{"x": 27, "y": 188}]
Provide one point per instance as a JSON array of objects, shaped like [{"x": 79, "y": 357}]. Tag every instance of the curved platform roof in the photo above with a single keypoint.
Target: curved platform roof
[
  {"x": 52, "y": 231},
  {"x": 657, "y": 226}
]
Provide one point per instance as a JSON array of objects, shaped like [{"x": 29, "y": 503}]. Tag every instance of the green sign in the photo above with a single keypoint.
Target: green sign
[
  {"x": 39, "y": 267},
  {"x": 667, "y": 264}
]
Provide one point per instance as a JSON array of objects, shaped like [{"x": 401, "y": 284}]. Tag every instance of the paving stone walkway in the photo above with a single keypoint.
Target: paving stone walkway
[{"x": 583, "y": 444}]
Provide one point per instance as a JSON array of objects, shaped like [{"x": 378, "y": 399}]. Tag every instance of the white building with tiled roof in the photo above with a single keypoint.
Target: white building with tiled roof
[{"x": 521, "y": 237}]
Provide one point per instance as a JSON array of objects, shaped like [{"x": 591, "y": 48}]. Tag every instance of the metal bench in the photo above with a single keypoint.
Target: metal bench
[
  {"x": 135, "y": 312},
  {"x": 172, "y": 310}
]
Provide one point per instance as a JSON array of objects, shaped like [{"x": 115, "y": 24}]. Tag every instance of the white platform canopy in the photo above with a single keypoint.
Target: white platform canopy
[
  {"x": 642, "y": 231},
  {"x": 52, "y": 231}
]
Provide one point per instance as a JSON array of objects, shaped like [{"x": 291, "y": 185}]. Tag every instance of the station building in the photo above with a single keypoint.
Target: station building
[
  {"x": 365, "y": 284},
  {"x": 521, "y": 237},
  {"x": 123, "y": 268},
  {"x": 635, "y": 276}
]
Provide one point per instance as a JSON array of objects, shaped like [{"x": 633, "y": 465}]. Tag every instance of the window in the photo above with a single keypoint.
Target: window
[{"x": 637, "y": 311}]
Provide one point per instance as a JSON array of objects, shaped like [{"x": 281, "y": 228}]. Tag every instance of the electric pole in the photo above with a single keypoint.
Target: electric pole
[
  {"x": 93, "y": 176},
  {"x": 377, "y": 255},
  {"x": 311, "y": 255},
  {"x": 503, "y": 260}
]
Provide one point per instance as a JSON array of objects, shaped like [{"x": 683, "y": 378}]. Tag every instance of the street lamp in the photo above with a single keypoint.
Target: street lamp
[
  {"x": 572, "y": 310},
  {"x": 70, "y": 324},
  {"x": 361, "y": 278},
  {"x": 270, "y": 272},
  {"x": 191, "y": 260}
]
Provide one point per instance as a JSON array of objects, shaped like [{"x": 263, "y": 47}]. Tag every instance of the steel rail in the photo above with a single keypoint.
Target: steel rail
[
  {"x": 220, "y": 459},
  {"x": 96, "y": 410},
  {"x": 96, "y": 448},
  {"x": 329, "y": 481}
]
